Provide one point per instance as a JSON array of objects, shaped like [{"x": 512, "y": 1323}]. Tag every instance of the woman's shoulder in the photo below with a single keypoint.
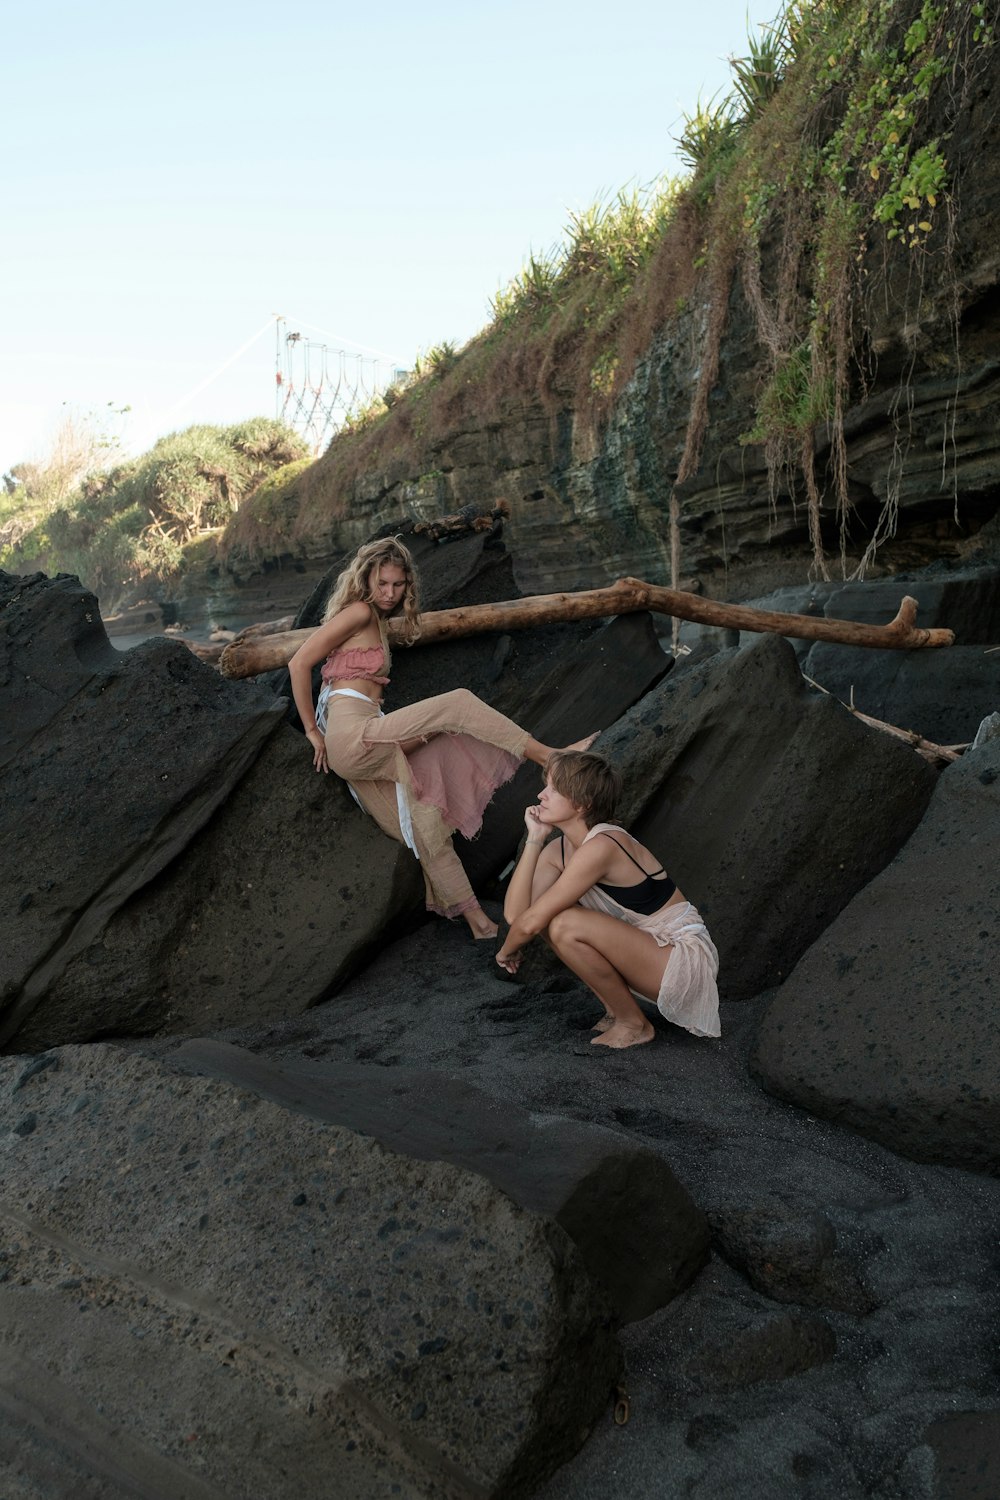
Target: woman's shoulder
[
  {"x": 619, "y": 836},
  {"x": 346, "y": 625},
  {"x": 359, "y": 611},
  {"x": 594, "y": 853},
  {"x": 353, "y": 619},
  {"x": 609, "y": 828}
]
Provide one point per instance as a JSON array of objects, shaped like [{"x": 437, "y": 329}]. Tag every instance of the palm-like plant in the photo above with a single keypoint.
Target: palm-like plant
[
  {"x": 707, "y": 134},
  {"x": 757, "y": 77}
]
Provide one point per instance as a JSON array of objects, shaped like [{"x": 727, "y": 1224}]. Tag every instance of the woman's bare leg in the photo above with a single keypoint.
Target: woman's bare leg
[{"x": 612, "y": 958}]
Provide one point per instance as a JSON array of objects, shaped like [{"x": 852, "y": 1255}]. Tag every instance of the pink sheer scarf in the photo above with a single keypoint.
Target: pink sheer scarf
[{"x": 458, "y": 775}]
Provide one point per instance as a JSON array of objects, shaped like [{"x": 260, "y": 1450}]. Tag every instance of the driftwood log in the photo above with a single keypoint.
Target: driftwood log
[
  {"x": 471, "y": 518},
  {"x": 269, "y": 627},
  {"x": 246, "y": 658},
  {"x": 210, "y": 652}
]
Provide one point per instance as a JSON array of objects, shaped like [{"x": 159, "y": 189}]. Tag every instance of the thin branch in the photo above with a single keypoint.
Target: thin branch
[{"x": 927, "y": 748}]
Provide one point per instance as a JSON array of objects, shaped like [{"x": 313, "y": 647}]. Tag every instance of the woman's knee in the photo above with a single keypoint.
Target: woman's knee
[
  {"x": 564, "y": 927},
  {"x": 459, "y": 698}
]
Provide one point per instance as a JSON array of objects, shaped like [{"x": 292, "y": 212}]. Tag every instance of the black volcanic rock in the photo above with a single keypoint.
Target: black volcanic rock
[
  {"x": 111, "y": 764},
  {"x": 283, "y": 893},
  {"x": 227, "y": 1298},
  {"x": 889, "y": 1024},
  {"x": 769, "y": 804},
  {"x": 941, "y": 695},
  {"x": 638, "y": 1231}
]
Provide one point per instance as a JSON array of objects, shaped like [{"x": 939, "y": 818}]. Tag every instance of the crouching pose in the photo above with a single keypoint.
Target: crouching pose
[{"x": 609, "y": 910}]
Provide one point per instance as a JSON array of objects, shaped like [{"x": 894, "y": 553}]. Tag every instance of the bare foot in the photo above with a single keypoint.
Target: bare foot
[
  {"x": 619, "y": 1035},
  {"x": 604, "y": 1024},
  {"x": 539, "y": 753},
  {"x": 480, "y": 926}
]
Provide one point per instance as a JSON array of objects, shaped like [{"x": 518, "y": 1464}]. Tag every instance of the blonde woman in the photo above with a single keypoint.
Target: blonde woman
[{"x": 422, "y": 772}]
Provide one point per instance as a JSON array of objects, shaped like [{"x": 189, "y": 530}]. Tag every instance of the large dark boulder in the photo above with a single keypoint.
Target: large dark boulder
[
  {"x": 281, "y": 896},
  {"x": 889, "y": 1024},
  {"x": 638, "y": 1231},
  {"x": 966, "y": 1449},
  {"x": 111, "y": 763},
  {"x": 206, "y": 1295},
  {"x": 965, "y": 599},
  {"x": 768, "y": 803},
  {"x": 791, "y": 1255}
]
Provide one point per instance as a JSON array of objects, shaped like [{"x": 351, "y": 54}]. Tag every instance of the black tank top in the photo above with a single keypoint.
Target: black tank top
[{"x": 646, "y": 896}]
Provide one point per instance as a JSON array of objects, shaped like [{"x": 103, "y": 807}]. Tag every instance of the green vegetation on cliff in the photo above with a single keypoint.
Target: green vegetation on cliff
[
  {"x": 847, "y": 156},
  {"x": 827, "y": 172}
]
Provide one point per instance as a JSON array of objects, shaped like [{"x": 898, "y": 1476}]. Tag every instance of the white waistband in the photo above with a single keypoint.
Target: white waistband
[
  {"x": 327, "y": 692},
  {"x": 350, "y": 693}
]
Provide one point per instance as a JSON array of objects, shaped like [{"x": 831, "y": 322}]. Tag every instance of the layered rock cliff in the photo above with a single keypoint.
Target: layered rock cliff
[{"x": 589, "y": 485}]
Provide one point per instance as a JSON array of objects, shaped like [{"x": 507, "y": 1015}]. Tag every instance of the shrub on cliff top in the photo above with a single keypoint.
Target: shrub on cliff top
[
  {"x": 194, "y": 480},
  {"x": 134, "y": 520},
  {"x": 607, "y": 243},
  {"x": 265, "y": 521}
]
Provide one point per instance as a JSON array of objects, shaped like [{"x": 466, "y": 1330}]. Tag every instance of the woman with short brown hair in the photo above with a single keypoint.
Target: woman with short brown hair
[{"x": 612, "y": 914}]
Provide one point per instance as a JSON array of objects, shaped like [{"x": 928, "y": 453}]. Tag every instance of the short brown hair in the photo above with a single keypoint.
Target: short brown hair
[{"x": 589, "y": 781}]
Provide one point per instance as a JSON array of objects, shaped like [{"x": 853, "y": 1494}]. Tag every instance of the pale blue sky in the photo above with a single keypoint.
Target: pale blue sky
[{"x": 174, "y": 175}]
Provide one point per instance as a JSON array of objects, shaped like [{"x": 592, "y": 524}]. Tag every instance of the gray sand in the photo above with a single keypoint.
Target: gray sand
[{"x": 733, "y": 1388}]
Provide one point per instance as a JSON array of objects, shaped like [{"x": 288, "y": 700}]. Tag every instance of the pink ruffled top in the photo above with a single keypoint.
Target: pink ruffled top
[{"x": 355, "y": 663}]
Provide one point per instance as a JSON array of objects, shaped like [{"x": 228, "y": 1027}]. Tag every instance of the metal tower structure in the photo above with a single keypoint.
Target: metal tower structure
[{"x": 317, "y": 388}]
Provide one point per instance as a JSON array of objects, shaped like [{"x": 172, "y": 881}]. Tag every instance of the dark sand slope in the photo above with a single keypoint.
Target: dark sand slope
[{"x": 851, "y": 1298}]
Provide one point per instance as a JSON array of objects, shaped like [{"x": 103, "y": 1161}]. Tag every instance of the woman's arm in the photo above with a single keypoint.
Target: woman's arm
[
  {"x": 536, "y": 870},
  {"x": 583, "y": 870},
  {"x": 346, "y": 623}
]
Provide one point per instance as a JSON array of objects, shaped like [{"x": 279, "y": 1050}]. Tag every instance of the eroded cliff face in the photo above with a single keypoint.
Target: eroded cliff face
[{"x": 590, "y": 504}]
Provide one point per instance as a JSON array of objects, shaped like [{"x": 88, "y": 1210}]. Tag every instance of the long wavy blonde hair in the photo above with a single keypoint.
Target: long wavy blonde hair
[{"x": 356, "y": 581}]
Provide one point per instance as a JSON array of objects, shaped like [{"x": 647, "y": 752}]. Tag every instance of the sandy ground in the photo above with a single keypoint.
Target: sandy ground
[{"x": 731, "y": 1391}]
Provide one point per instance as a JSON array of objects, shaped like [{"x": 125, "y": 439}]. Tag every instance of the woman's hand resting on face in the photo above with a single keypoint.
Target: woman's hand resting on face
[{"x": 537, "y": 830}]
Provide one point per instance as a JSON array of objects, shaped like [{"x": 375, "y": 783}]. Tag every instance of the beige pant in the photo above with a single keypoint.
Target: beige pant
[
  {"x": 363, "y": 746},
  {"x": 446, "y": 884}
]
